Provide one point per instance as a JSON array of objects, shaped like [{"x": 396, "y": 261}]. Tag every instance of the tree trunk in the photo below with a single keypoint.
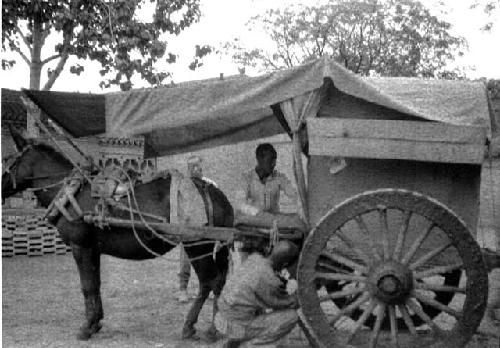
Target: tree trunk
[{"x": 36, "y": 62}]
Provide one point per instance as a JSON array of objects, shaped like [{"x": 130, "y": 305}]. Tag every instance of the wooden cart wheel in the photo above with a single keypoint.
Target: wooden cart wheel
[{"x": 391, "y": 255}]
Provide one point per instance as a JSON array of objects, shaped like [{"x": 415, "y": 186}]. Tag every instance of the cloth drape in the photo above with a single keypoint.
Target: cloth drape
[{"x": 296, "y": 111}]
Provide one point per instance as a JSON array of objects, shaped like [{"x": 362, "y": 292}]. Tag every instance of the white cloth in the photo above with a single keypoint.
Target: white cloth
[{"x": 186, "y": 203}]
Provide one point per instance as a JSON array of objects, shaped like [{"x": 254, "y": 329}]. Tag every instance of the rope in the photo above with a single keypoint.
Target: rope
[
  {"x": 44, "y": 188},
  {"x": 274, "y": 236},
  {"x": 152, "y": 230},
  {"x": 138, "y": 211},
  {"x": 222, "y": 244},
  {"x": 132, "y": 200},
  {"x": 136, "y": 235}
]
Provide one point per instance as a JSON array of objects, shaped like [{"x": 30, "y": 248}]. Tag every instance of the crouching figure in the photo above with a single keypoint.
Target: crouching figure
[{"x": 254, "y": 308}]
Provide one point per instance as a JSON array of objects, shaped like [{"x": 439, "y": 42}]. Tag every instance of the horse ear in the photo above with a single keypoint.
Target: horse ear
[{"x": 20, "y": 140}]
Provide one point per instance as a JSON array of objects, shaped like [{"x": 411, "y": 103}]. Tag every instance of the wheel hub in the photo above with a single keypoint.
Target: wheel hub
[{"x": 390, "y": 282}]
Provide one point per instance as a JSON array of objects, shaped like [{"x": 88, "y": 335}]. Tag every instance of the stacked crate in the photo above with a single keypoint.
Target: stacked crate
[
  {"x": 49, "y": 235},
  {"x": 20, "y": 239},
  {"x": 7, "y": 241},
  {"x": 30, "y": 235},
  {"x": 34, "y": 236},
  {"x": 60, "y": 247}
]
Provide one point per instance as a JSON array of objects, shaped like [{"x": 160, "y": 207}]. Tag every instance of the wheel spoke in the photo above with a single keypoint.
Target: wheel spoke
[
  {"x": 337, "y": 276},
  {"x": 418, "y": 311},
  {"x": 362, "y": 319},
  {"x": 362, "y": 226},
  {"x": 346, "y": 310},
  {"x": 342, "y": 293},
  {"x": 378, "y": 324},
  {"x": 427, "y": 257},
  {"x": 333, "y": 268},
  {"x": 400, "y": 241},
  {"x": 436, "y": 304},
  {"x": 407, "y": 319},
  {"x": 416, "y": 244},
  {"x": 362, "y": 255},
  {"x": 437, "y": 270},
  {"x": 394, "y": 326},
  {"x": 438, "y": 288},
  {"x": 385, "y": 232},
  {"x": 344, "y": 261}
]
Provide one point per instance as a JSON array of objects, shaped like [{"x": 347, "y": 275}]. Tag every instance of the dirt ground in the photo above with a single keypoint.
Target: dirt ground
[{"x": 42, "y": 305}]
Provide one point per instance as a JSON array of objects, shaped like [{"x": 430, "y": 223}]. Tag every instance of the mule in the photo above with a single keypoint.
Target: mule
[{"x": 40, "y": 166}]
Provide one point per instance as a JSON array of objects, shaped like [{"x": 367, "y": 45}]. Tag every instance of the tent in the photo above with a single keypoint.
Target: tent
[{"x": 208, "y": 113}]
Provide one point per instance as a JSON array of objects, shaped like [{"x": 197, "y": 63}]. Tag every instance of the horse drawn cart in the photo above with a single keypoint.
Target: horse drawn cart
[{"x": 388, "y": 174}]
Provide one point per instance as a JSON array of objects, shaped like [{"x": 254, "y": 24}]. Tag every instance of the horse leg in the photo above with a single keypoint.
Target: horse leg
[
  {"x": 218, "y": 284},
  {"x": 188, "y": 330},
  {"x": 88, "y": 262}
]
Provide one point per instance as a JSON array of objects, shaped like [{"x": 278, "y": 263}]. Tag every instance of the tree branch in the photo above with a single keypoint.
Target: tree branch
[
  {"x": 46, "y": 60},
  {"x": 18, "y": 50},
  {"x": 270, "y": 62},
  {"x": 57, "y": 71},
  {"x": 60, "y": 65},
  {"x": 46, "y": 32},
  {"x": 26, "y": 42}
]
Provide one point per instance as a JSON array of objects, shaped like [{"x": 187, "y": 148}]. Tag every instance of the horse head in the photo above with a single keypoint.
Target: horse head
[{"x": 32, "y": 162}]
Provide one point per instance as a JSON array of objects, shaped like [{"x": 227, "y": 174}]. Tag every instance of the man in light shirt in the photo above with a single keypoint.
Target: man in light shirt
[
  {"x": 195, "y": 170},
  {"x": 262, "y": 188},
  {"x": 264, "y": 184}
]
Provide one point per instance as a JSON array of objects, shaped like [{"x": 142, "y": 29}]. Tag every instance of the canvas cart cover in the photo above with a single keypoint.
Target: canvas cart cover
[{"x": 207, "y": 113}]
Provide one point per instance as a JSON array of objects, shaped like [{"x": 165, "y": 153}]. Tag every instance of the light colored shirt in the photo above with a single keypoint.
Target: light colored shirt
[
  {"x": 266, "y": 196},
  {"x": 252, "y": 289}
]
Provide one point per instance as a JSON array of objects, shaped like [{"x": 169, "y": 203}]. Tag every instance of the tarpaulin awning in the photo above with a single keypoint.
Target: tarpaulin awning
[
  {"x": 208, "y": 113},
  {"x": 79, "y": 114}
]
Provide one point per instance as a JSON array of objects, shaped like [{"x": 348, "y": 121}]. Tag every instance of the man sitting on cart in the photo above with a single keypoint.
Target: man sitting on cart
[
  {"x": 254, "y": 307},
  {"x": 262, "y": 188}
]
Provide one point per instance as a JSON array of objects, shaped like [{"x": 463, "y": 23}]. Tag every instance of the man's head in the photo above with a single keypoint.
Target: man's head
[
  {"x": 283, "y": 255},
  {"x": 266, "y": 158},
  {"x": 194, "y": 166}
]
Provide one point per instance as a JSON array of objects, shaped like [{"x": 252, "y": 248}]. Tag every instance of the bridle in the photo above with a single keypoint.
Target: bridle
[{"x": 11, "y": 166}]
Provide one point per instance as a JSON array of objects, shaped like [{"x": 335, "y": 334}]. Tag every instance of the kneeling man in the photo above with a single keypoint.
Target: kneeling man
[{"x": 254, "y": 307}]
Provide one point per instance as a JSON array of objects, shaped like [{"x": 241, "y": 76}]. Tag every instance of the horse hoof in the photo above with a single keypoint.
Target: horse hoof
[
  {"x": 83, "y": 335},
  {"x": 86, "y": 332},
  {"x": 213, "y": 335},
  {"x": 189, "y": 333}
]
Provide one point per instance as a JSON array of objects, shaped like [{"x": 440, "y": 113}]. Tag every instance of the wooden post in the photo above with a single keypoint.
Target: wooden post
[{"x": 32, "y": 113}]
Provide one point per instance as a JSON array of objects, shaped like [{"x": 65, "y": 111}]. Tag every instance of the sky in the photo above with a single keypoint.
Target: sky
[{"x": 222, "y": 20}]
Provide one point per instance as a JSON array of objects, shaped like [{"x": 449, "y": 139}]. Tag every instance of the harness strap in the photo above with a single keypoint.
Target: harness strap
[
  {"x": 59, "y": 205},
  {"x": 209, "y": 206},
  {"x": 74, "y": 203},
  {"x": 65, "y": 196}
]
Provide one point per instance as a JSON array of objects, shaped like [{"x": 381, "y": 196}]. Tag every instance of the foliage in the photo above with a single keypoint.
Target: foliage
[
  {"x": 490, "y": 8},
  {"x": 106, "y": 31},
  {"x": 390, "y": 38}
]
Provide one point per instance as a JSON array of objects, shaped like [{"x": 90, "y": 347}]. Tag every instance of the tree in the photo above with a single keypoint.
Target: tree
[
  {"x": 106, "y": 31},
  {"x": 390, "y": 38}
]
